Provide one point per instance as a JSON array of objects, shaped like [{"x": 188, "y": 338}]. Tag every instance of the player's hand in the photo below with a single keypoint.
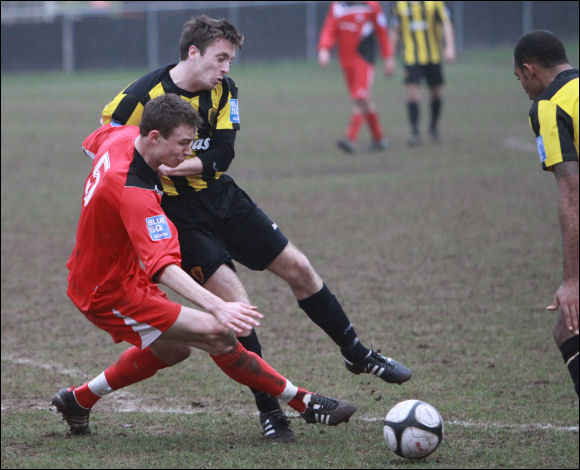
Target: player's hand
[
  {"x": 566, "y": 297},
  {"x": 389, "y": 66},
  {"x": 323, "y": 57},
  {"x": 164, "y": 170},
  {"x": 449, "y": 55},
  {"x": 238, "y": 317}
]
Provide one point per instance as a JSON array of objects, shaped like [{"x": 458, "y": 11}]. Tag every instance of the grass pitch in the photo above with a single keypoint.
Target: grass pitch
[{"x": 444, "y": 256}]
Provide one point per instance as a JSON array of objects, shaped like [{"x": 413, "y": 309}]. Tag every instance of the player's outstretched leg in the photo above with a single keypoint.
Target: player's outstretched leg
[
  {"x": 386, "y": 368},
  {"x": 74, "y": 414}
]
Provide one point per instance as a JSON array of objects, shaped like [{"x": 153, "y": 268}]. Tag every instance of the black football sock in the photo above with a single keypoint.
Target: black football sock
[
  {"x": 324, "y": 309},
  {"x": 413, "y": 113},
  {"x": 264, "y": 402},
  {"x": 435, "y": 112},
  {"x": 569, "y": 350}
]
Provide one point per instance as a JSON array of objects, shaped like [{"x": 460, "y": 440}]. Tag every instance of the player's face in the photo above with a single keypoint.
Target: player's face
[
  {"x": 211, "y": 67},
  {"x": 177, "y": 147}
]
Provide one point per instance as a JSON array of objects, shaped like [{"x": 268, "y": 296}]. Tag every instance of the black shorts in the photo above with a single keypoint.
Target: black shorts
[
  {"x": 433, "y": 73},
  {"x": 219, "y": 224}
]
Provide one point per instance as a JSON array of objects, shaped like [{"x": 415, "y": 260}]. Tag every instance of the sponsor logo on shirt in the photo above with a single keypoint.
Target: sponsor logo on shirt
[
  {"x": 234, "y": 112},
  {"x": 158, "y": 227},
  {"x": 541, "y": 149},
  {"x": 200, "y": 144}
]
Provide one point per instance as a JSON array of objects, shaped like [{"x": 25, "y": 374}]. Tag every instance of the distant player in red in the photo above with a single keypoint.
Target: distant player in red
[
  {"x": 125, "y": 245},
  {"x": 353, "y": 27}
]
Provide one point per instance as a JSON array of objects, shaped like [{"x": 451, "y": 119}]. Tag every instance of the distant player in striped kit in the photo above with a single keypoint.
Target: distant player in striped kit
[
  {"x": 541, "y": 65},
  {"x": 352, "y": 26},
  {"x": 423, "y": 28},
  {"x": 125, "y": 245}
]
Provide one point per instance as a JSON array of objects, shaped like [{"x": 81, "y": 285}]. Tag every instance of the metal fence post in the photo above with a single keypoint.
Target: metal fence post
[
  {"x": 527, "y": 17},
  {"x": 68, "y": 41},
  {"x": 311, "y": 33},
  {"x": 152, "y": 38},
  {"x": 458, "y": 25}
]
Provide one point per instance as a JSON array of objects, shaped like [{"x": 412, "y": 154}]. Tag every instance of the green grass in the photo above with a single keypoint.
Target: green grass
[{"x": 442, "y": 256}]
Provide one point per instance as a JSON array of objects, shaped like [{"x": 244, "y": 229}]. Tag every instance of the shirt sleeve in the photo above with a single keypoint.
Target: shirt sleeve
[
  {"x": 381, "y": 28},
  {"x": 328, "y": 32},
  {"x": 554, "y": 134},
  {"x": 442, "y": 12},
  {"x": 153, "y": 235},
  {"x": 124, "y": 109}
]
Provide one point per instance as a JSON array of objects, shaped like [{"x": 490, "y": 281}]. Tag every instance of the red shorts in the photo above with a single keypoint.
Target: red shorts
[
  {"x": 139, "y": 318},
  {"x": 359, "y": 77}
]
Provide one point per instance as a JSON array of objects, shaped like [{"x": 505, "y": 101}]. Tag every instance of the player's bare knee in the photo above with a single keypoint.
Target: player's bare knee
[{"x": 220, "y": 341}]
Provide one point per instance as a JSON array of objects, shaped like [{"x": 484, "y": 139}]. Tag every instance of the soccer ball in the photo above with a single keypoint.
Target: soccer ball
[{"x": 413, "y": 429}]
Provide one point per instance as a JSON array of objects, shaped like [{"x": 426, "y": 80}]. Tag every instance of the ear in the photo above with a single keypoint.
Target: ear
[
  {"x": 193, "y": 52},
  {"x": 529, "y": 69},
  {"x": 154, "y": 136}
]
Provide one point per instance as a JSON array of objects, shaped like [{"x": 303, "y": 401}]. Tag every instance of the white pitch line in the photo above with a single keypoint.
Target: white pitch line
[
  {"x": 521, "y": 427},
  {"x": 128, "y": 408},
  {"x": 41, "y": 365}
]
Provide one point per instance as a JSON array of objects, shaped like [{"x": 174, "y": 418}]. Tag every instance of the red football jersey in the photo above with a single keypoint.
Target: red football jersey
[
  {"x": 352, "y": 25},
  {"x": 123, "y": 237}
]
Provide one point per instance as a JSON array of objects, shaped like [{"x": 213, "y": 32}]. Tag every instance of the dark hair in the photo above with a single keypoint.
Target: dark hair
[
  {"x": 201, "y": 31},
  {"x": 167, "y": 112},
  {"x": 540, "y": 47}
]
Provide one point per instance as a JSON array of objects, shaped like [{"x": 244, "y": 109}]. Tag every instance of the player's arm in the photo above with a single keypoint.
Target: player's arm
[
  {"x": 382, "y": 32},
  {"x": 237, "y": 316},
  {"x": 566, "y": 297},
  {"x": 217, "y": 158},
  {"x": 448, "y": 34},
  {"x": 155, "y": 240},
  {"x": 394, "y": 29},
  {"x": 327, "y": 38}
]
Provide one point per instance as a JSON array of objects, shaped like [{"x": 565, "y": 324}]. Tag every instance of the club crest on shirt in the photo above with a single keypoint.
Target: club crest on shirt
[{"x": 158, "y": 227}]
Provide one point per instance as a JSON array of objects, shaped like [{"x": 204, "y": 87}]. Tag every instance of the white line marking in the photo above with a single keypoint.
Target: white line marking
[
  {"x": 41, "y": 365},
  {"x": 515, "y": 143},
  {"x": 135, "y": 406}
]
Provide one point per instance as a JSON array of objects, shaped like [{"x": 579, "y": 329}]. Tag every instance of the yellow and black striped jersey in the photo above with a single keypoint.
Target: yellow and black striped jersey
[
  {"x": 214, "y": 143},
  {"x": 420, "y": 29},
  {"x": 554, "y": 119}
]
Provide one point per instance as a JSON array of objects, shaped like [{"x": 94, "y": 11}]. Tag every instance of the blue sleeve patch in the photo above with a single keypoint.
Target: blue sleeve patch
[
  {"x": 234, "y": 111},
  {"x": 158, "y": 227},
  {"x": 541, "y": 149}
]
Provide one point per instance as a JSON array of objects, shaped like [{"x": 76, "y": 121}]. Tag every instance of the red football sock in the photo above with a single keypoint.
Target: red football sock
[
  {"x": 356, "y": 119},
  {"x": 298, "y": 402},
  {"x": 250, "y": 369},
  {"x": 374, "y": 124},
  {"x": 134, "y": 365}
]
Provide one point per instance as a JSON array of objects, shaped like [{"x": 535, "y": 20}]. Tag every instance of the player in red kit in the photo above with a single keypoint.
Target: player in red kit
[
  {"x": 353, "y": 27},
  {"x": 125, "y": 245}
]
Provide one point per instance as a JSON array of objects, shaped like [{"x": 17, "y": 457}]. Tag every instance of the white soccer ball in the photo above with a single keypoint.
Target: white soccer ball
[{"x": 413, "y": 429}]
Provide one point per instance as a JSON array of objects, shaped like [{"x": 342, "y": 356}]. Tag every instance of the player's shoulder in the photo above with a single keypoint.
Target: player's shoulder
[
  {"x": 228, "y": 83},
  {"x": 226, "y": 88},
  {"x": 567, "y": 78},
  {"x": 109, "y": 137},
  {"x": 141, "y": 87}
]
